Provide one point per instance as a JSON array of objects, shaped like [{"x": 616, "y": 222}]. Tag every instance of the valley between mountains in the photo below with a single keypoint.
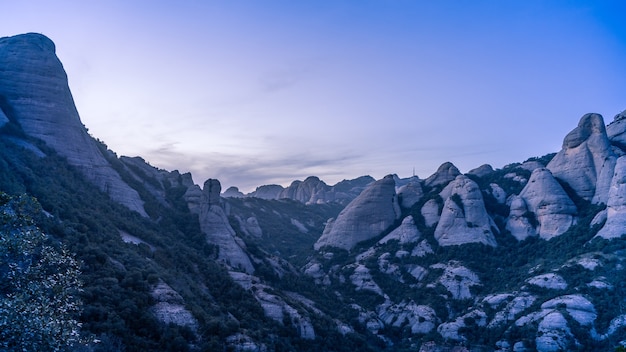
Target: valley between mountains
[{"x": 528, "y": 257}]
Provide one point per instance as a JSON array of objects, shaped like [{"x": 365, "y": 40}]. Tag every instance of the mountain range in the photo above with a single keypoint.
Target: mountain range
[{"x": 523, "y": 258}]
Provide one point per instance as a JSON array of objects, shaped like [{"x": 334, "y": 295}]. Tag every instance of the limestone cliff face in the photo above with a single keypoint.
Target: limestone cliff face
[
  {"x": 464, "y": 218},
  {"x": 367, "y": 216},
  {"x": 586, "y": 161},
  {"x": 554, "y": 210},
  {"x": 214, "y": 223},
  {"x": 35, "y": 94}
]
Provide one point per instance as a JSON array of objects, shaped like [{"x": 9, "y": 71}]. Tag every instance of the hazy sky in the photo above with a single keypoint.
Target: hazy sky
[{"x": 257, "y": 92}]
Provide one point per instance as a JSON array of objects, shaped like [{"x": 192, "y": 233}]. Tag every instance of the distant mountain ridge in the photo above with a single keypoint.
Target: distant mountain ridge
[{"x": 528, "y": 257}]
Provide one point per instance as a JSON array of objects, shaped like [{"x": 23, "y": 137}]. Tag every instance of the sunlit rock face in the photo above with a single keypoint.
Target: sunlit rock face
[
  {"x": 587, "y": 160},
  {"x": 464, "y": 218},
  {"x": 214, "y": 224},
  {"x": 35, "y": 94},
  {"x": 366, "y": 217},
  {"x": 615, "y": 225},
  {"x": 549, "y": 204}
]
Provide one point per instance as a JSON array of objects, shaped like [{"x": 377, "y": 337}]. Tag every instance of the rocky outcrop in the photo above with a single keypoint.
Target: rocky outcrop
[
  {"x": 366, "y": 217},
  {"x": 586, "y": 160},
  {"x": 214, "y": 224},
  {"x": 616, "y": 130},
  {"x": 267, "y": 192},
  {"x": 481, "y": 171},
  {"x": 407, "y": 232},
  {"x": 464, "y": 218},
  {"x": 169, "y": 307},
  {"x": 520, "y": 221},
  {"x": 615, "y": 225},
  {"x": 457, "y": 279},
  {"x": 545, "y": 198},
  {"x": 310, "y": 191},
  {"x": 232, "y": 192},
  {"x": 430, "y": 211},
  {"x": 444, "y": 174},
  {"x": 410, "y": 193},
  {"x": 35, "y": 94},
  {"x": 421, "y": 319}
]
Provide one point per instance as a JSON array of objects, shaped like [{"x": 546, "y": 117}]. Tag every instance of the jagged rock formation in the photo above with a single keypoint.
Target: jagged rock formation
[
  {"x": 545, "y": 198},
  {"x": 367, "y": 216},
  {"x": 587, "y": 160},
  {"x": 34, "y": 94},
  {"x": 430, "y": 211},
  {"x": 214, "y": 223},
  {"x": 267, "y": 192},
  {"x": 464, "y": 218},
  {"x": 407, "y": 232}
]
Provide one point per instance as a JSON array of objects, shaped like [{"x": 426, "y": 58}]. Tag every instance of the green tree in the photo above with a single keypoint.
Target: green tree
[{"x": 38, "y": 283}]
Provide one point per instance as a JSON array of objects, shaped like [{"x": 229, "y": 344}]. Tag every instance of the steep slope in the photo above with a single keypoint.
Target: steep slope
[
  {"x": 34, "y": 94},
  {"x": 367, "y": 216}
]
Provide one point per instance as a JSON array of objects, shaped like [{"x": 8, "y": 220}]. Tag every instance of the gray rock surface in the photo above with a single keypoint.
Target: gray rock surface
[
  {"x": 34, "y": 84},
  {"x": 366, "y": 217},
  {"x": 421, "y": 319},
  {"x": 430, "y": 212},
  {"x": 615, "y": 225},
  {"x": 267, "y": 192},
  {"x": 586, "y": 160},
  {"x": 444, "y": 174},
  {"x": 232, "y": 192},
  {"x": 407, "y": 232},
  {"x": 518, "y": 222},
  {"x": 554, "y": 210},
  {"x": 169, "y": 307},
  {"x": 616, "y": 130},
  {"x": 310, "y": 191},
  {"x": 411, "y": 193},
  {"x": 464, "y": 218},
  {"x": 214, "y": 224},
  {"x": 481, "y": 171}
]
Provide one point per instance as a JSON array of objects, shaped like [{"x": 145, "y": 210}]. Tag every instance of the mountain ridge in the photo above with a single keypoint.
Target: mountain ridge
[{"x": 526, "y": 257}]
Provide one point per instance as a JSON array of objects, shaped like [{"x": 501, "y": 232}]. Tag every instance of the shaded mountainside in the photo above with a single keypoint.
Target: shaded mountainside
[{"x": 527, "y": 257}]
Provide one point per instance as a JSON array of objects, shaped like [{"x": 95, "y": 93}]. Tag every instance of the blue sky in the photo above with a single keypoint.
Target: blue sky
[{"x": 259, "y": 92}]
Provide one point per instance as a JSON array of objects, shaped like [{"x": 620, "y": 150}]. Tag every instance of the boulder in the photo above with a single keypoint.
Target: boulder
[
  {"x": 616, "y": 130},
  {"x": 586, "y": 160},
  {"x": 34, "y": 92},
  {"x": 545, "y": 198},
  {"x": 464, "y": 218},
  {"x": 366, "y": 217}
]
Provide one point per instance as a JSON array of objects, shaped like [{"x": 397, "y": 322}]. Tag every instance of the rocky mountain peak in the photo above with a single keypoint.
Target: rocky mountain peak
[
  {"x": 444, "y": 174},
  {"x": 366, "y": 217},
  {"x": 34, "y": 94},
  {"x": 586, "y": 161},
  {"x": 212, "y": 189}
]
